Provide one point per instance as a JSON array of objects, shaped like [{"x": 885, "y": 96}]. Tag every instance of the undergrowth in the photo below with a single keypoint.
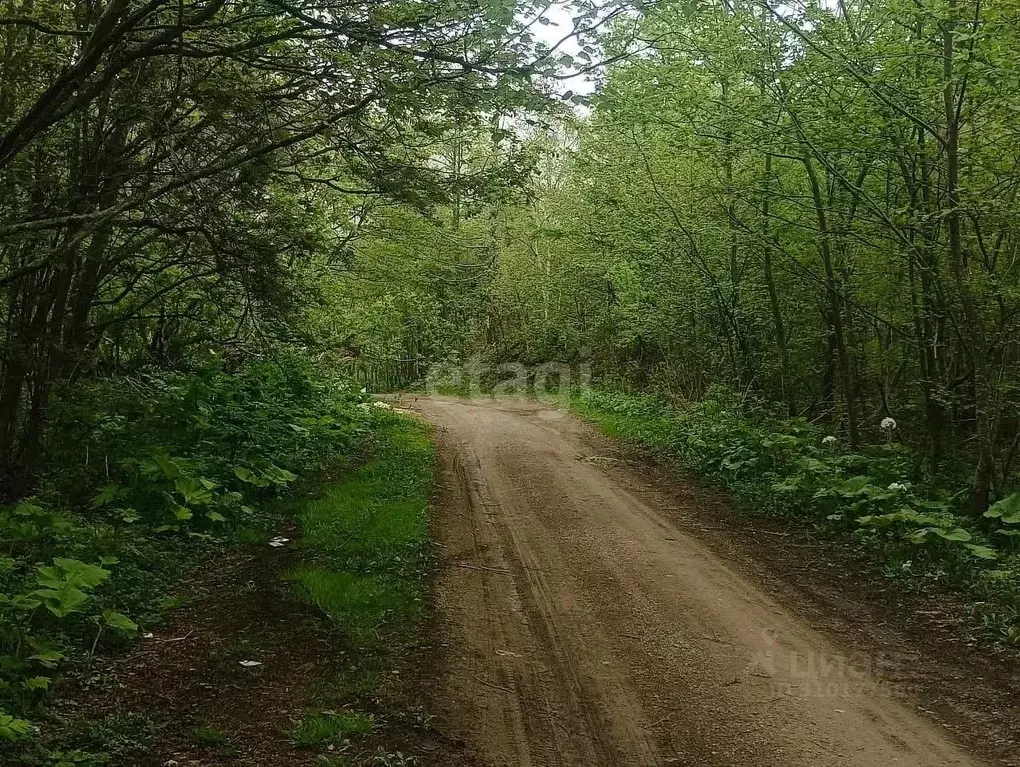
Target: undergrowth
[
  {"x": 329, "y": 728},
  {"x": 364, "y": 566},
  {"x": 365, "y": 542},
  {"x": 142, "y": 478},
  {"x": 913, "y": 525}
]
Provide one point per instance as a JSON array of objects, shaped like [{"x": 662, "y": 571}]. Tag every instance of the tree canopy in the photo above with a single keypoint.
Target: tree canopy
[
  {"x": 812, "y": 204},
  {"x": 178, "y": 174}
]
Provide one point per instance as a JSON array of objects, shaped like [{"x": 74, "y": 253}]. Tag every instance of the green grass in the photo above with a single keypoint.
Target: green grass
[
  {"x": 364, "y": 549},
  {"x": 114, "y": 739},
  {"x": 328, "y": 727},
  {"x": 360, "y": 605},
  {"x": 209, "y": 736},
  {"x": 381, "y": 758},
  {"x": 630, "y": 417},
  {"x": 364, "y": 543}
]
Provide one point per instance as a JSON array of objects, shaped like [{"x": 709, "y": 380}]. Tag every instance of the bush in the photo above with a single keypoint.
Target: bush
[{"x": 142, "y": 476}]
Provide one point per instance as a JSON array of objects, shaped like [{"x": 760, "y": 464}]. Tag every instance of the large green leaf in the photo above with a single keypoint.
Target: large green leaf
[
  {"x": 952, "y": 534},
  {"x": 63, "y": 601},
  {"x": 169, "y": 467},
  {"x": 194, "y": 492},
  {"x": 46, "y": 653},
  {"x": 71, "y": 571},
  {"x": 183, "y": 513},
  {"x": 982, "y": 552},
  {"x": 119, "y": 622},
  {"x": 12, "y": 729},
  {"x": 1006, "y": 510}
]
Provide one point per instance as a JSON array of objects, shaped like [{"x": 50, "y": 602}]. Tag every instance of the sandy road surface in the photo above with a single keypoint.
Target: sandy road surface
[{"x": 585, "y": 628}]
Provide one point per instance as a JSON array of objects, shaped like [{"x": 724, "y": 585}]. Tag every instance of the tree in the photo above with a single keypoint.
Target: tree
[{"x": 158, "y": 162}]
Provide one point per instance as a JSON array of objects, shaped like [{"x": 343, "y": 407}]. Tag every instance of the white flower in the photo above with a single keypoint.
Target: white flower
[
  {"x": 888, "y": 423},
  {"x": 897, "y": 486},
  {"x": 381, "y": 405},
  {"x": 829, "y": 441}
]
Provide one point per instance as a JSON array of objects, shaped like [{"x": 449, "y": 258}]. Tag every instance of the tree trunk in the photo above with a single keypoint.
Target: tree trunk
[
  {"x": 972, "y": 319},
  {"x": 834, "y": 302},
  {"x": 785, "y": 384}
]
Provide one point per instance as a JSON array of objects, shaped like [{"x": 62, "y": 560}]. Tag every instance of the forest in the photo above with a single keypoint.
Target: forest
[
  {"x": 782, "y": 240},
  {"x": 783, "y": 237}
]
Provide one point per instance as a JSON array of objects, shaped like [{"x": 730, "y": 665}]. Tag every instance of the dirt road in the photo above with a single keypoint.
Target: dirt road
[{"x": 585, "y": 627}]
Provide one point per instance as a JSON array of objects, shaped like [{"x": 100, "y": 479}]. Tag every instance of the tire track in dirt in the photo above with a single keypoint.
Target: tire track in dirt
[{"x": 585, "y": 628}]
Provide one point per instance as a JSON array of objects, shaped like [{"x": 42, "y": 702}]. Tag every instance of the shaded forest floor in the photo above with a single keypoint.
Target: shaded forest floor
[
  {"x": 187, "y": 695},
  {"x": 253, "y": 668}
]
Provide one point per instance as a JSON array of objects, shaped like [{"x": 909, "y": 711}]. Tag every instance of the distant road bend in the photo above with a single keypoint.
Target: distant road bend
[{"x": 585, "y": 627}]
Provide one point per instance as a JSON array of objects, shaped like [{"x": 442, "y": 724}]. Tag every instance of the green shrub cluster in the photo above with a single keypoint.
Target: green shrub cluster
[
  {"x": 877, "y": 496},
  {"x": 141, "y": 477}
]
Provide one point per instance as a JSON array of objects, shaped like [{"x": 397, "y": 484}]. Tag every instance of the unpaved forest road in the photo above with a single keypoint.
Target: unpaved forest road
[{"x": 585, "y": 628}]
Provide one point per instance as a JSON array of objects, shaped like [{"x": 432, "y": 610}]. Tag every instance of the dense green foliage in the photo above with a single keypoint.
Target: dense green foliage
[
  {"x": 144, "y": 476},
  {"x": 364, "y": 551},
  {"x": 180, "y": 176},
  {"x": 181, "y": 188},
  {"x": 802, "y": 216},
  {"x": 813, "y": 204},
  {"x": 811, "y": 208}
]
